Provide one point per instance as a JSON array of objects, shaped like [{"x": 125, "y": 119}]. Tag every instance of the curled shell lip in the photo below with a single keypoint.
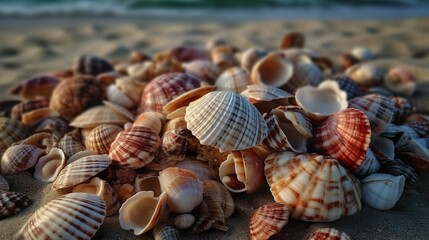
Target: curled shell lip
[
  {"x": 48, "y": 167},
  {"x": 268, "y": 220},
  {"x": 274, "y": 69}
]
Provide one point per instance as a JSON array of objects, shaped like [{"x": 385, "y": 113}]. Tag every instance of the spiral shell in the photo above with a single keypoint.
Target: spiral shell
[
  {"x": 92, "y": 65},
  {"x": 268, "y": 220},
  {"x": 274, "y": 69},
  {"x": 328, "y": 234},
  {"x": 39, "y": 86},
  {"x": 12, "y": 203},
  {"x": 48, "y": 167},
  {"x": 381, "y": 191},
  {"x": 19, "y": 158},
  {"x": 233, "y": 79},
  {"x": 100, "y": 138}
]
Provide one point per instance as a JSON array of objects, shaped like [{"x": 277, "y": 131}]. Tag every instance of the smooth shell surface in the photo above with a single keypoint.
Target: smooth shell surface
[
  {"x": 48, "y": 167},
  {"x": 381, "y": 191},
  {"x": 274, "y": 69},
  {"x": 268, "y": 220}
]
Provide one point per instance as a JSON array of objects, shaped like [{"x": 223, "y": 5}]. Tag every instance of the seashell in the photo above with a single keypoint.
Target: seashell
[
  {"x": 102, "y": 189},
  {"x": 165, "y": 232},
  {"x": 325, "y": 65},
  {"x": 369, "y": 165},
  {"x": 148, "y": 182},
  {"x": 98, "y": 115},
  {"x": 80, "y": 155},
  {"x": 305, "y": 73},
  {"x": 49, "y": 166},
  {"x": 166, "y": 65},
  {"x": 38, "y": 140},
  {"x": 268, "y": 220},
  {"x": 400, "y": 81},
  {"x": 130, "y": 87},
  {"x": 78, "y": 216},
  {"x": 81, "y": 170},
  {"x": 315, "y": 188},
  {"x": 19, "y": 158},
  {"x": 183, "y": 221},
  {"x": 363, "y": 53},
  {"x": 12, "y": 203},
  {"x": 348, "y": 85},
  {"x": 420, "y": 127},
  {"x": 397, "y": 168},
  {"x": 137, "y": 57},
  {"x": 216, "y": 42},
  {"x": 265, "y": 98},
  {"x": 24, "y": 107},
  {"x": 292, "y": 40},
  {"x": 152, "y": 120},
  {"x": 108, "y": 78},
  {"x": 419, "y": 146},
  {"x": 4, "y": 185},
  {"x": 414, "y": 160},
  {"x": 365, "y": 75},
  {"x": 71, "y": 144},
  {"x": 73, "y": 96},
  {"x": 328, "y": 234},
  {"x": 36, "y": 87},
  {"x": 249, "y": 58},
  {"x": 224, "y": 57},
  {"x": 58, "y": 126},
  {"x": 204, "y": 70},
  {"x": 92, "y": 65},
  {"x": 383, "y": 148},
  {"x": 142, "y": 211},
  {"x": 125, "y": 191},
  {"x": 36, "y": 116},
  {"x": 345, "y": 136},
  {"x": 234, "y": 112},
  {"x": 200, "y": 168},
  {"x": 166, "y": 176},
  {"x": 381, "y": 191},
  {"x": 100, "y": 138},
  {"x": 234, "y": 79},
  {"x": 416, "y": 117},
  {"x": 165, "y": 88},
  {"x": 274, "y": 69},
  {"x": 63, "y": 74},
  {"x": 115, "y": 95},
  {"x": 400, "y": 135},
  {"x": 184, "y": 194},
  {"x": 323, "y": 101},
  {"x": 134, "y": 147},
  {"x": 6, "y": 107},
  {"x": 10, "y": 131},
  {"x": 348, "y": 60},
  {"x": 402, "y": 108},
  {"x": 188, "y": 53},
  {"x": 125, "y": 175}
]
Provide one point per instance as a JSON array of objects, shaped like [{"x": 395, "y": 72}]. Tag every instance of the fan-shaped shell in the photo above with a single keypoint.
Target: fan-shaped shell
[
  {"x": 10, "y": 131},
  {"x": 49, "y": 166},
  {"x": 274, "y": 69},
  {"x": 268, "y": 220},
  {"x": 100, "y": 138},
  {"x": 92, "y": 65},
  {"x": 71, "y": 216},
  {"x": 315, "y": 189},
  {"x": 204, "y": 70},
  {"x": 19, "y": 158},
  {"x": 238, "y": 123},
  {"x": 328, "y": 234},
  {"x": 115, "y": 95},
  {"x": 381, "y": 191},
  {"x": 12, "y": 203},
  {"x": 233, "y": 79},
  {"x": 348, "y": 85},
  {"x": 98, "y": 115},
  {"x": 39, "y": 86},
  {"x": 24, "y": 107}
]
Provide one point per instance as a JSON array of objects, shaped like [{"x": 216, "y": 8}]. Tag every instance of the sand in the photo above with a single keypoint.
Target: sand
[{"x": 32, "y": 47}]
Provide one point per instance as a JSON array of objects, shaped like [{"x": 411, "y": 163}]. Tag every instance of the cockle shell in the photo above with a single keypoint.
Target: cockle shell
[
  {"x": 148, "y": 182},
  {"x": 328, "y": 234},
  {"x": 292, "y": 40},
  {"x": 265, "y": 98},
  {"x": 402, "y": 109},
  {"x": 12, "y": 203},
  {"x": 189, "y": 53},
  {"x": 153, "y": 120},
  {"x": 165, "y": 232},
  {"x": 224, "y": 57},
  {"x": 98, "y": 115},
  {"x": 4, "y": 185},
  {"x": 268, "y": 220},
  {"x": 71, "y": 144},
  {"x": 19, "y": 158},
  {"x": 348, "y": 85},
  {"x": 117, "y": 96},
  {"x": 315, "y": 188},
  {"x": 204, "y": 70},
  {"x": 81, "y": 170},
  {"x": 49, "y": 166},
  {"x": 365, "y": 75},
  {"x": 274, "y": 69},
  {"x": 142, "y": 211},
  {"x": 369, "y": 165},
  {"x": 77, "y": 216},
  {"x": 92, "y": 65},
  {"x": 345, "y": 136},
  {"x": 73, "y": 96},
  {"x": 40, "y": 86},
  {"x": 305, "y": 72},
  {"x": 100, "y": 138},
  {"x": 10, "y": 131},
  {"x": 233, "y": 79},
  {"x": 131, "y": 87},
  {"x": 397, "y": 168},
  {"x": 381, "y": 191},
  {"x": 24, "y": 107},
  {"x": 249, "y": 57},
  {"x": 239, "y": 124},
  {"x": 400, "y": 81},
  {"x": 183, "y": 221}
]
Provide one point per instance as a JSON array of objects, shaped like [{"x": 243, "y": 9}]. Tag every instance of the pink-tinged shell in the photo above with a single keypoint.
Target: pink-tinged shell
[
  {"x": 188, "y": 54},
  {"x": 225, "y": 120},
  {"x": 81, "y": 170},
  {"x": 10, "y": 131},
  {"x": 378, "y": 109},
  {"x": 12, "y": 203},
  {"x": 41, "y": 86},
  {"x": 328, "y": 234},
  {"x": 348, "y": 85},
  {"x": 400, "y": 81},
  {"x": 369, "y": 165},
  {"x": 153, "y": 120},
  {"x": 268, "y": 220},
  {"x": 204, "y": 70},
  {"x": 274, "y": 69},
  {"x": 184, "y": 194},
  {"x": 233, "y": 79},
  {"x": 49, "y": 166},
  {"x": 98, "y": 115},
  {"x": 420, "y": 127},
  {"x": 249, "y": 57},
  {"x": 73, "y": 96},
  {"x": 115, "y": 95},
  {"x": 315, "y": 188},
  {"x": 396, "y": 168},
  {"x": 165, "y": 88},
  {"x": 224, "y": 57},
  {"x": 305, "y": 73},
  {"x": 92, "y": 65},
  {"x": 365, "y": 75},
  {"x": 25, "y": 107},
  {"x": 4, "y": 185},
  {"x": 19, "y": 158},
  {"x": 78, "y": 216},
  {"x": 148, "y": 182},
  {"x": 134, "y": 147},
  {"x": 345, "y": 136},
  {"x": 100, "y": 138}
]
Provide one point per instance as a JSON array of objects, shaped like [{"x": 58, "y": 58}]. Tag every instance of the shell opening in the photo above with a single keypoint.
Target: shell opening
[{"x": 139, "y": 214}]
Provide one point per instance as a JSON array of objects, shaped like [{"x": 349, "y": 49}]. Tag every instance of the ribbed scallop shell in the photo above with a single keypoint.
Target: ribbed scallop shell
[
  {"x": 328, "y": 234},
  {"x": 315, "y": 189},
  {"x": 12, "y": 203},
  {"x": 305, "y": 73},
  {"x": 24, "y": 107},
  {"x": 165, "y": 88},
  {"x": 165, "y": 232},
  {"x": 49, "y": 166},
  {"x": 100, "y": 138},
  {"x": 381, "y": 191},
  {"x": 402, "y": 108},
  {"x": 19, "y": 158},
  {"x": 40, "y": 86},
  {"x": 274, "y": 69},
  {"x": 117, "y": 96},
  {"x": 378, "y": 109},
  {"x": 4, "y": 185},
  {"x": 98, "y": 115},
  {"x": 348, "y": 85},
  {"x": 345, "y": 136},
  {"x": 238, "y": 123},
  {"x": 396, "y": 168},
  {"x": 71, "y": 144},
  {"x": 134, "y": 147},
  {"x": 71, "y": 216},
  {"x": 81, "y": 170},
  {"x": 233, "y": 79},
  {"x": 92, "y": 65},
  {"x": 10, "y": 131},
  {"x": 268, "y": 220},
  {"x": 73, "y": 96},
  {"x": 200, "y": 168},
  {"x": 204, "y": 70}
]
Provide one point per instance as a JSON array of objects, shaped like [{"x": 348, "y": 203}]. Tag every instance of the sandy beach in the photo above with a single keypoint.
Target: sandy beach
[{"x": 33, "y": 47}]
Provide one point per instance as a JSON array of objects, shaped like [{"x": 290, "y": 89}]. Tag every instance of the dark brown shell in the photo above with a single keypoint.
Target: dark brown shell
[
  {"x": 12, "y": 203},
  {"x": 25, "y": 107},
  {"x": 396, "y": 167},
  {"x": 40, "y": 86},
  {"x": 292, "y": 40},
  {"x": 92, "y": 65}
]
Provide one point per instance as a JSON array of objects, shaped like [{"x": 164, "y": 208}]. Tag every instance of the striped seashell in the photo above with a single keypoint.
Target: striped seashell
[
  {"x": 10, "y": 131},
  {"x": 148, "y": 182},
  {"x": 134, "y": 147},
  {"x": 400, "y": 81},
  {"x": 115, "y": 95},
  {"x": 189, "y": 53},
  {"x": 369, "y": 165},
  {"x": 165, "y": 232},
  {"x": 24, "y": 107},
  {"x": 4, "y": 185},
  {"x": 268, "y": 220},
  {"x": 365, "y": 75},
  {"x": 402, "y": 108},
  {"x": 305, "y": 72},
  {"x": 348, "y": 85},
  {"x": 242, "y": 125},
  {"x": 328, "y": 234},
  {"x": 98, "y": 115},
  {"x": 39, "y": 140},
  {"x": 49, "y": 166},
  {"x": 36, "y": 116},
  {"x": 265, "y": 98},
  {"x": 12, "y": 203},
  {"x": 100, "y": 138},
  {"x": 183, "y": 221},
  {"x": 363, "y": 53},
  {"x": 378, "y": 109},
  {"x": 36, "y": 87},
  {"x": 80, "y": 155},
  {"x": 224, "y": 57},
  {"x": 381, "y": 191},
  {"x": 233, "y": 79},
  {"x": 6, "y": 107},
  {"x": 292, "y": 40},
  {"x": 92, "y": 65},
  {"x": 165, "y": 88},
  {"x": 200, "y": 168},
  {"x": 397, "y": 167},
  {"x": 420, "y": 127},
  {"x": 58, "y": 126},
  {"x": 81, "y": 170},
  {"x": 78, "y": 216},
  {"x": 204, "y": 70},
  {"x": 19, "y": 158},
  {"x": 120, "y": 110},
  {"x": 401, "y": 136},
  {"x": 153, "y": 120},
  {"x": 345, "y": 136},
  {"x": 250, "y": 57},
  {"x": 71, "y": 144},
  {"x": 73, "y": 96},
  {"x": 274, "y": 70},
  {"x": 131, "y": 87},
  {"x": 323, "y": 190}
]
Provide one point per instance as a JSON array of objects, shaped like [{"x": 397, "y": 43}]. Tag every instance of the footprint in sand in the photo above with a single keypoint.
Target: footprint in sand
[
  {"x": 11, "y": 65},
  {"x": 8, "y": 52}
]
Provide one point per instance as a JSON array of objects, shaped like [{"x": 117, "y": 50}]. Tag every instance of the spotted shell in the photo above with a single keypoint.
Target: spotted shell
[
  {"x": 12, "y": 203},
  {"x": 100, "y": 138},
  {"x": 19, "y": 158},
  {"x": 25, "y": 107},
  {"x": 328, "y": 234},
  {"x": 92, "y": 65},
  {"x": 268, "y": 220},
  {"x": 10, "y": 131},
  {"x": 39, "y": 86}
]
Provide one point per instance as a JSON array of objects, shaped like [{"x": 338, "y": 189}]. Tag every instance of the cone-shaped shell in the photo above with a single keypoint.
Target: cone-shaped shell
[
  {"x": 328, "y": 234},
  {"x": 381, "y": 191},
  {"x": 10, "y": 131},
  {"x": 233, "y": 79},
  {"x": 4, "y": 185},
  {"x": 204, "y": 70},
  {"x": 98, "y": 115},
  {"x": 40, "y": 86},
  {"x": 315, "y": 189},
  {"x": 238, "y": 123},
  {"x": 268, "y": 220},
  {"x": 71, "y": 216},
  {"x": 81, "y": 170},
  {"x": 48, "y": 167},
  {"x": 19, "y": 158},
  {"x": 12, "y": 203},
  {"x": 396, "y": 168},
  {"x": 345, "y": 136},
  {"x": 274, "y": 69},
  {"x": 100, "y": 138},
  {"x": 92, "y": 65},
  {"x": 24, "y": 107}
]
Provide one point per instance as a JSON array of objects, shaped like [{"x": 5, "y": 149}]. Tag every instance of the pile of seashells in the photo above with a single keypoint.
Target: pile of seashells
[{"x": 164, "y": 140}]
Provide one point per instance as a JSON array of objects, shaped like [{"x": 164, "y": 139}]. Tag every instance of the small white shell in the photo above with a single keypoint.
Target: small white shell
[
  {"x": 381, "y": 191},
  {"x": 48, "y": 167},
  {"x": 184, "y": 194}
]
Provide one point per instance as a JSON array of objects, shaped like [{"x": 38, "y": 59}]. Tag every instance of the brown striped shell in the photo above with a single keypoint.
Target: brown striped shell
[
  {"x": 25, "y": 107},
  {"x": 10, "y": 131},
  {"x": 328, "y": 234},
  {"x": 100, "y": 138},
  {"x": 305, "y": 72},
  {"x": 71, "y": 143},
  {"x": 40, "y": 86},
  {"x": 233, "y": 79},
  {"x": 12, "y": 203},
  {"x": 268, "y": 220},
  {"x": 92, "y": 65},
  {"x": 19, "y": 158}
]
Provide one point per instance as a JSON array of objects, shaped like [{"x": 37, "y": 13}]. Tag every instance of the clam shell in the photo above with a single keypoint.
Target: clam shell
[
  {"x": 19, "y": 158},
  {"x": 265, "y": 98},
  {"x": 71, "y": 144},
  {"x": 100, "y": 138},
  {"x": 115, "y": 95},
  {"x": 315, "y": 189},
  {"x": 400, "y": 81},
  {"x": 12, "y": 203},
  {"x": 268, "y": 220},
  {"x": 397, "y": 168},
  {"x": 165, "y": 232},
  {"x": 4, "y": 185},
  {"x": 24, "y": 107},
  {"x": 148, "y": 182},
  {"x": 381, "y": 191},
  {"x": 183, "y": 221},
  {"x": 233, "y": 79},
  {"x": 98, "y": 115},
  {"x": 71, "y": 216},
  {"x": 238, "y": 124},
  {"x": 274, "y": 69},
  {"x": 81, "y": 170},
  {"x": 49, "y": 166},
  {"x": 40, "y": 86},
  {"x": 92, "y": 65},
  {"x": 10, "y": 131},
  {"x": 365, "y": 75},
  {"x": 292, "y": 40},
  {"x": 345, "y": 136},
  {"x": 204, "y": 70},
  {"x": 305, "y": 73},
  {"x": 348, "y": 85},
  {"x": 328, "y": 234}
]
